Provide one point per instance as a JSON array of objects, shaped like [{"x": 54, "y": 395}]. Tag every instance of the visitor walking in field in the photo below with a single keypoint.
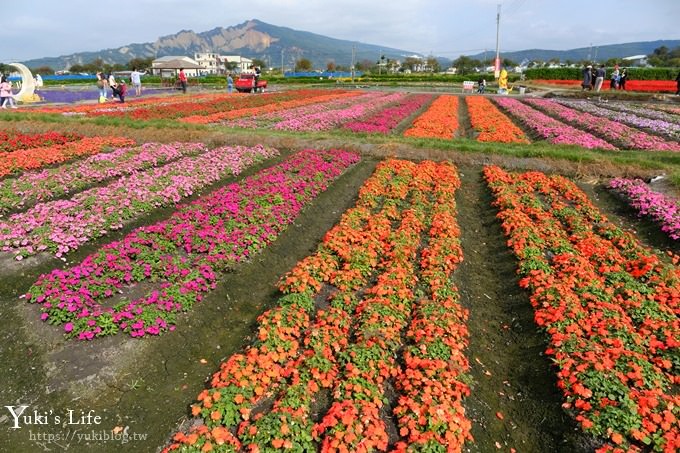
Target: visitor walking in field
[
  {"x": 622, "y": 79},
  {"x": 677, "y": 80},
  {"x": 112, "y": 84},
  {"x": 230, "y": 84},
  {"x": 614, "y": 81},
  {"x": 599, "y": 79},
  {"x": 183, "y": 80},
  {"x": 593, "y": 76},
  {"x": 136, "y": 79},
  {"x": 6, "y": 93},
  {"x": 587, "y": 78},
  {"x": 102, "y": 84}
]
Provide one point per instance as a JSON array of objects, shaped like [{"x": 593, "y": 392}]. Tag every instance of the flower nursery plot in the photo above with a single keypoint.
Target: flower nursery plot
[{"x": 247, "y": 273}]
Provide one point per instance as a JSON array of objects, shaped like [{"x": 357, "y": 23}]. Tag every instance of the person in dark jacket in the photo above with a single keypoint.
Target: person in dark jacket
[
  {"x": 623, "y": 78},
  {"x": 587, "y": 78},
  {"x": 677, "y": 80}
]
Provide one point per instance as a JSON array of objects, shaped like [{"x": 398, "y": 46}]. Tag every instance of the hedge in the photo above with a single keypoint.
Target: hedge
[{"x": 577, "y": 73}]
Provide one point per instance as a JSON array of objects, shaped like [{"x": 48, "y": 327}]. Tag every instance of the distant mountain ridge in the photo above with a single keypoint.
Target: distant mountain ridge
[
  {"x": 251, "y": 39},
  {"x": 595, "y": 53},
  {"x": 271, "y": 43}
]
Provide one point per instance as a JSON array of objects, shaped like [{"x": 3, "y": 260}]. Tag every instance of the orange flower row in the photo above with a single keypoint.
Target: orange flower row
[
  {"x": 439, "y": 121},
  {"x": 491, "y": 124},
  {"x": 33, "y": 158},
  {"x": 609, "y": 305}
]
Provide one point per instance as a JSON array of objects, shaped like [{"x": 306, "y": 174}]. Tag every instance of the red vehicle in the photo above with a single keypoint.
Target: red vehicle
[{"x": 246, "y": 83}]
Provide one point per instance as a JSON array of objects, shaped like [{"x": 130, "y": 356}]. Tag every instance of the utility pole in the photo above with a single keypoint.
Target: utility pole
[
  {"x": 590, "y": 52},
  {"x": 497, "y": 71},
  {"x": 354, "y": 49}
]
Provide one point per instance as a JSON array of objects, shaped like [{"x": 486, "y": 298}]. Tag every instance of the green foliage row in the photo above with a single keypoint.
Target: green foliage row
[{"x": 577, "y": 73}]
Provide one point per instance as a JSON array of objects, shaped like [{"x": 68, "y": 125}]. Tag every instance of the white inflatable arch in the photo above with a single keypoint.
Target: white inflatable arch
[{"x": 27, "y": 92}]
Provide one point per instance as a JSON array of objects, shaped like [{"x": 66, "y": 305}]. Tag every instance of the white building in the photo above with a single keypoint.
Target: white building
[
  {"x": 210, "y": 61},
  {"x": 635, "y": 60},
  {"x": 242, "y": 63},
  {"x": 170, "y": 65}
]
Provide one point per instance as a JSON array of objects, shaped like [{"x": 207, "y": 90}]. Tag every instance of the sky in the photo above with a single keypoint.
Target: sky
[{"x": 446, "y": 28}]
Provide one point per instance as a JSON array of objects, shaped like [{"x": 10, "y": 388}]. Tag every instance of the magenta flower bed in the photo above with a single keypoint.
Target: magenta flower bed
[
  {"x": 619, "y": 133},
  {"x": 268, "y": 120},
  {"x": 184, "y": 254},
  {"x": 37, "y": 186},
  {"x": 63, "y": 225},
  {"x": 659, "y": 207},
  {"x": 549, "y": 128},
  {"x": 329, "y": 119},
  {"x": 387, "y": 119}
]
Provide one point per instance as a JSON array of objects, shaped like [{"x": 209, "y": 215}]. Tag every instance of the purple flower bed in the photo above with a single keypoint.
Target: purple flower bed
[
  {"x": 66, "y": 96},
  {"x": 183, "y": 254},
  {"x": 329, "y": 119},
  {"x": 654, "y": 113},
  {"x": 627, "y": 116},
  {"x": 621, "y": 134},
  {"x": 387, "y": 119},
  {"x": 63, "y": 225},
  {"x": 662, "y": 209},
  {"x": 549, "y": 128},
  {"x": 38, "y": 186}
]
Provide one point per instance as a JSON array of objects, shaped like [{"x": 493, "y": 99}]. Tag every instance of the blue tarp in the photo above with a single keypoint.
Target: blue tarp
[{"x": 325, "y": 74}]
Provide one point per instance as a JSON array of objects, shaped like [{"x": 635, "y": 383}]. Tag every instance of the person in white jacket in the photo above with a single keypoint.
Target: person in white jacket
[{"x": 136, "y": 79}]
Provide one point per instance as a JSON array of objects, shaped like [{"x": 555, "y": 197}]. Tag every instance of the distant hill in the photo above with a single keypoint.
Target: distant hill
[
  {"x": 599, "y": 53},
  {"x": 251, "y": 39}
]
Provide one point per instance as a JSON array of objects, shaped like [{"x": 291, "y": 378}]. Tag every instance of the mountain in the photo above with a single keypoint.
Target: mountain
[
  {"x": 598, "y": 53},
  {"x": 251, "y": 39}
]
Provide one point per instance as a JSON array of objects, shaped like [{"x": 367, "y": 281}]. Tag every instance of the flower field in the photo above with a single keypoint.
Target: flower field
[
  {"x": 342, "y": 270},
  {"x": 302, "y": 350}
]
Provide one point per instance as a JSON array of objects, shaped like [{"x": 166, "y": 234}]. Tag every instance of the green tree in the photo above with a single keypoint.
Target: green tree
[
  {"x": 44, "y": 70},
  {"x": 433, "y": 64},
  {"x": 140, "y": 63},
  {"x": 465, "y": 64},
  {"x": 411, "y": 63},
  {"x": 330, "y": 66},
  {"x": 257, "y": 62},
  {"x": 303, "y": 65}
]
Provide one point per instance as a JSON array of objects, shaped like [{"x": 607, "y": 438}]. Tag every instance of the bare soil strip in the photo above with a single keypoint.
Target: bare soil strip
[{"x": 514, "y": 400}]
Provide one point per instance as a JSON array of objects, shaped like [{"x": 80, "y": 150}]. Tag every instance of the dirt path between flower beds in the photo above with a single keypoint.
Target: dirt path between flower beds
[
  {"x": 514, "y": 400},
  {"x": 150, "y": 383}
]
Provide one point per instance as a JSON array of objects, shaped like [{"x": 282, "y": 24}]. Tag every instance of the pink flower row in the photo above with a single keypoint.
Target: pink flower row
[
  {"x": 32, "y": 187},
  {"x": 659, "y": 207},
  {"x": 621, "y": 134},
  {"x": 329, "y": 119},
  {"x": 60, "y": 226},
  {"x": 183, "y": 254},
  {"x": 548, "y": 128},
  {"x": 323, "y": 104},
  {"x": 385, "y": 120}
]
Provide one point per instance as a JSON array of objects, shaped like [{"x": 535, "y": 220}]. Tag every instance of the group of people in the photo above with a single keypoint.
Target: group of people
[
  {"x": 118, "y": 87},
  {"x": 594, "y": 78}
]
